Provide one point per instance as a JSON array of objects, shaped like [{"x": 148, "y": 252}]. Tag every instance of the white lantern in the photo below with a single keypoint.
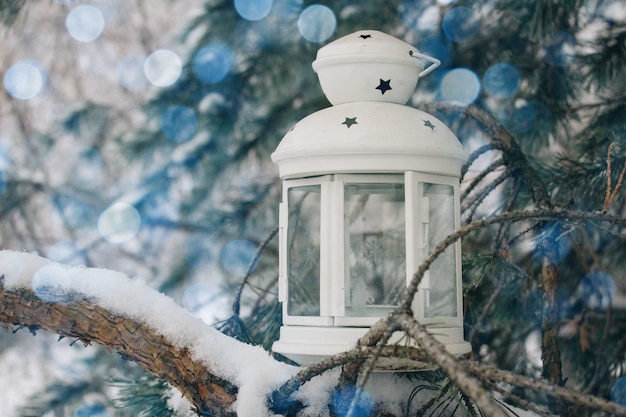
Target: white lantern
[{"x": 369, "y": 187}]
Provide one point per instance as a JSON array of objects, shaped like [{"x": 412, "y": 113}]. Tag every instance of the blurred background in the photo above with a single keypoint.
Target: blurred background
[{"x": 136, "y": 136}]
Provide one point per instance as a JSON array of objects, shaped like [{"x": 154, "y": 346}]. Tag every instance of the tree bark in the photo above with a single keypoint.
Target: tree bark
[{"x": 83, "y": 320}]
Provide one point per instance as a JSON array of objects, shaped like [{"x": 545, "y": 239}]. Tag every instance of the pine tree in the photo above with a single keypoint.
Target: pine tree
[{"x": 545, "y": 123}]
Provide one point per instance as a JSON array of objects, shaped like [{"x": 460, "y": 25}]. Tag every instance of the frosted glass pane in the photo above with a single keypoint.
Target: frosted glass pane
[
  {"x": 375, "y": 248},
  {"x": 441, "y": 300},
  {"x": 303, "y": 251}
]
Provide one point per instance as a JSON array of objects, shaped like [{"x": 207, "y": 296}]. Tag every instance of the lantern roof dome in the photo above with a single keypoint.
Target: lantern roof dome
[
  {"x": 370, "y": 65},
  {"x": 369, "y": 137}
]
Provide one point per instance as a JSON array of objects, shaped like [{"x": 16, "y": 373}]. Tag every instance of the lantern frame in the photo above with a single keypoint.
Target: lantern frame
[{"x": 333, "y": 274}]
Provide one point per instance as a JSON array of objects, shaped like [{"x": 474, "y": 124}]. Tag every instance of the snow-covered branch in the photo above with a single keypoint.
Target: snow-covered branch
[{"x": 143, "y": 325}]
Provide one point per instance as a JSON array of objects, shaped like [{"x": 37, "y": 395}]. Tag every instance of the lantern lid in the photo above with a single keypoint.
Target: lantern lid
[
  {"x": 370, "y": 65},
  {"x": 369, "y": 137},
  {"x": 367, "y": 44}
]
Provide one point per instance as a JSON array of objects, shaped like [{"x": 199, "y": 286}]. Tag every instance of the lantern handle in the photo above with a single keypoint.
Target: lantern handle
[{"x": 434, "y": 61}]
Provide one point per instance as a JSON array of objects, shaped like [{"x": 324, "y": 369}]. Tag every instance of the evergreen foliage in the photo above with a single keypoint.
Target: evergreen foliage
[{"x": 566, "y": 113}]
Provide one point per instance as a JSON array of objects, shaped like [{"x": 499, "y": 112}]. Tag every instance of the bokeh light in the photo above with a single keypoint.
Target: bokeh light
[
  {"x": 364, "y": 407},
  {"x": 317, "y": 23},
  {"x": 522, "y": 119},
  {"x": 558, "y": 48},
  {"x": 89, "y": 169},
  {"x": 543, "y": 121},
  {"x": 67, "y": 252},
  {"x": 501, "y": 80},
  {"x": 91, "y": 410},
  {"x": 73, "y": 360},
  {"x": 253, "y": 9},
  {"x": 198, "y": 252},
  {"x": 460, "y": 85},
  {"x": 198, "y": 296},
  {"x": 212, "y": 63},
  {"x": 253, "y": 183},
  {"x": 4, "y": 156},
  {"x": 460, "y": 24},
  {"x": 130, "y": 74},
  {"x": 85, "y": 23},
  {"x": 163, "y": 68},
  {"x": 528, "y": 306},
  {"x": 76, "y": 213},
  {"x": 179, "y": 123},
  {"x": 119, "y": 223},
  {"x": 237, "y": 255},
  {"x": 287, "y": 8},
  {"x": 203, "y": 301},
  {"x": 50, "y": 284},
  {"x": 532, "y": 347},
  {"x": 438, "y": 49},
  {"x": 4, "y": 180},
  {"x": 25, "y": 80},
  {"x": 421, "y": 19},
  {"x": 618, "y": 391},
  {"x": 552, "y": 239},
  {"x": 597, "y": 290},
  {"x": 429, "y": 19}
]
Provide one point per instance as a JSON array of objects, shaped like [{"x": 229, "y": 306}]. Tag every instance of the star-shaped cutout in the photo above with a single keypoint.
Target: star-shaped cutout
[
  {"x": 350, "y": 121},
  {"x": 430, "y": 124},
  {"x": 365, "y": 36},
  {"x": 384, "y": 86}
]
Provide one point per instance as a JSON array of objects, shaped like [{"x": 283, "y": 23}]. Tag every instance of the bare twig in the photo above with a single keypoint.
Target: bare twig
[
  {"x": 519, "y": 401},
  {"x": 250, "y": 268},
  {"x": 476, "y": 180},
  {"x": 610, "y": 195},
  {"x": 572, "y": 396},
  {"x": 466, "y": 382},
  {"x": 474, "y": 156}
]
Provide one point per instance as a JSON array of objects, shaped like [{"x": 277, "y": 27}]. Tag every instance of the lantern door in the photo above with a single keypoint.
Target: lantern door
[
  {"x": 434, "y": 213},
  {"x": 373, "y": 230},
  {"x": 303, "y": 278}
]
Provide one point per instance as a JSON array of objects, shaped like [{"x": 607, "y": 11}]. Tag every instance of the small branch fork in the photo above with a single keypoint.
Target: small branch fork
[
  {"x": 610, "y": 195},
  {"x": 250, "y": 268}
]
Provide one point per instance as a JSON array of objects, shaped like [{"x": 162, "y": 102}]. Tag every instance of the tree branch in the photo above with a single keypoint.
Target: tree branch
[
  {"x": 514, "y": 158},
  {"x": 466, "y": 382},
  {"x": 575, "y": 397},
  {"x": 210, "y": 394}
]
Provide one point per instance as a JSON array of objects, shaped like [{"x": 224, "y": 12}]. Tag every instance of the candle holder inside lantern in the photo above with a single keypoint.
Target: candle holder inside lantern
[{"x": 370, "y": 186}]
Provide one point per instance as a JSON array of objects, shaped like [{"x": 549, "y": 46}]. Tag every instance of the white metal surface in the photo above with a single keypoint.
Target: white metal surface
[
  {"x": 306, "y": 345},
  {"x": 367, "y": 136},
  {"x": 369, "y": 65},
  {"x": 381, "y": 138}
]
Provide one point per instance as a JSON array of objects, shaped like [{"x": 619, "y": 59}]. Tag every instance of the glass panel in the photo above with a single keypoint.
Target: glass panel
[
  {"x": 441, "y": 298},
  {"x": 303, "y": 251},
  {"x": 375, "y": 248}
]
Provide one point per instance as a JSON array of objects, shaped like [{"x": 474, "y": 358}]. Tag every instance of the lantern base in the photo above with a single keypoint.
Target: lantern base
[{"x": 307, "y": 344}]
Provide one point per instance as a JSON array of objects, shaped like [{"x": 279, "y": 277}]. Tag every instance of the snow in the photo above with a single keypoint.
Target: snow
[
  {"x": 249, "y": 367},
  {"x": 180, "y": 404},
  {"x": 20, "y": 377}
]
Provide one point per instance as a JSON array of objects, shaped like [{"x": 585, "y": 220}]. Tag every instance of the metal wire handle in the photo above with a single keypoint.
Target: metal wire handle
[{"x": 434, "y": 61}]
